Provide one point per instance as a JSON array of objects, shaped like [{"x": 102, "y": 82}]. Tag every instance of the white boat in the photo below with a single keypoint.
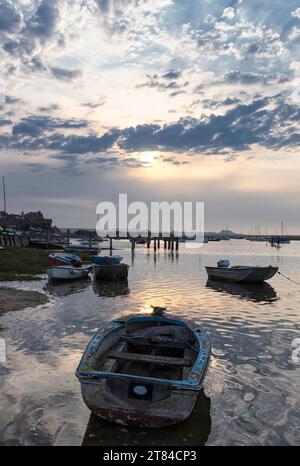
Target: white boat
[
  {"x": 242, "y": 274},
  {"x": 66, "y": 272}
]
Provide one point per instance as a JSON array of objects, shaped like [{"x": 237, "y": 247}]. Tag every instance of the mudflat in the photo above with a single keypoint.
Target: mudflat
[{"x": 12, "y": 299}]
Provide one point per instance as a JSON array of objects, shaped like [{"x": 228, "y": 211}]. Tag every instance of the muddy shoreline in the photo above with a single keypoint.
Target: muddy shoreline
[{"x": 12, "y": 299}]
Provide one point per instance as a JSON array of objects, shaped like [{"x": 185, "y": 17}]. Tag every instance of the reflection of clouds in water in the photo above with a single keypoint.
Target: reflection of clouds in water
[{"x": 194, "y": 431}]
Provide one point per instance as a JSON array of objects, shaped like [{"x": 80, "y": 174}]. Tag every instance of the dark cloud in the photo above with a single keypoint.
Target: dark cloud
[
  {"x": 244, "y": 77},
  {"x": 93, "y": 105},
  {"x": 64, "y": 74},
  {"x": 10, "y": 17},
  {"x": 38, "y": 28},
  {"x": 36, "y": 125},
  {"x": 236, "y": 130},
  {"x": 42, "y": 24},
  {"x": 172, "y": 75},
  {"x": 4, "y": 122},
  {"x": 168, "y": 82}
]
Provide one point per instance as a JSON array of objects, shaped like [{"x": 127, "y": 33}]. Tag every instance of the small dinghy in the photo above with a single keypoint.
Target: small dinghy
[
  {"x": 239, "y": 273},
  {"x": 66, "y": 272},
  {"x": 60, "y": 258},
  {"x": 144, "y": 371}
]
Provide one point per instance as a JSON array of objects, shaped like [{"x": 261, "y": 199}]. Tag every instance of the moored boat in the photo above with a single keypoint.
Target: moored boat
[
  {"x": 111, "y": 271},
  {"x": 60, "y": 258},
  {"x": 241, "y": 274},
  {"x": 106, "y": 260},
  {"x": 66, "y": 272},
  {"x": 145, "y": 370}
]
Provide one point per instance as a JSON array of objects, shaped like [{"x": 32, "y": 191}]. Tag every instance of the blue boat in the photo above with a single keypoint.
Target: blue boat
[
  {"x": 145, "y": 370},
  {"x": 106, "y": 260}
]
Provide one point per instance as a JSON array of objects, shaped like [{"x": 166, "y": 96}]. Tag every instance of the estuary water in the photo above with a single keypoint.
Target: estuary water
[{"x": 251, "y": 393}]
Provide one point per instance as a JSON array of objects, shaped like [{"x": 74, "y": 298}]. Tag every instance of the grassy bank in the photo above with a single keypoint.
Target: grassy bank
[{"x": 25, "y": 263}]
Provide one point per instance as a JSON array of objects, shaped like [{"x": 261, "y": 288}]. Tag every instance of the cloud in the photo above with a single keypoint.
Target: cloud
[
  {"x": 245, "y": 77},
  {"x": 168, "y": 82},
  {"x": 36, "y": 125},
  {"x": 10, "y": 18},
  {"x": 5, "y": 122},
  {"x": 43, "y": 23},
  {"x": 296, "y": 13},
  {"x": 237, "y": 130},
  {"x": 64, "y": 74},
  {"x": 229, "y": 13}
]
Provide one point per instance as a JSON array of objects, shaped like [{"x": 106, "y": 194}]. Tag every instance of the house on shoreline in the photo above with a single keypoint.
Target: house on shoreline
[{"x": 26, "y": 222}]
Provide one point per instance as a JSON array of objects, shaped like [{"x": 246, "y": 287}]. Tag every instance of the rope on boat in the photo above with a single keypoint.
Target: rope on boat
[{"x": 288, "y": 278}]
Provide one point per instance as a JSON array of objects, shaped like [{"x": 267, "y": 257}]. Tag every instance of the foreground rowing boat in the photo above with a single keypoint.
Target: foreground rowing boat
[{"x": 144, "y": 371}]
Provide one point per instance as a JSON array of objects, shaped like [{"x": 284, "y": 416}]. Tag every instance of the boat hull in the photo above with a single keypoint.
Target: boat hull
[
  {"x": 242, "y": 274},
  {"x": 166, "y": 412},
  {"x": 111, "y": 272},
  {"x": 67, "y": 273}
]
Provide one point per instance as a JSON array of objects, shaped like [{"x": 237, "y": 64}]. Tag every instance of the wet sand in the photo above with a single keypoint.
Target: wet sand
[{"x": 12, "y": 299}]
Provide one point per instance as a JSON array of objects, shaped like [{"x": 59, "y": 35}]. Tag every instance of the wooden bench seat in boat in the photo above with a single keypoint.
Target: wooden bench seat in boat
[{"x": 150, "y": 358}]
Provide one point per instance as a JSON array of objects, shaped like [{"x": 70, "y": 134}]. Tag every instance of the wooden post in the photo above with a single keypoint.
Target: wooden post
[
  {"x": 132, "y": 244},
  {"x": 68, "y": 236},
  {"x": 165, "y": 244},
  {"x": 158, "y": 244},
  {"x": 110, "y": 246},
  {"x": 154, "y": 244},
  {"x": 177, "y": 245},
  {"x": 148, "y": 243},
  {"x": 90, "y": 239}
]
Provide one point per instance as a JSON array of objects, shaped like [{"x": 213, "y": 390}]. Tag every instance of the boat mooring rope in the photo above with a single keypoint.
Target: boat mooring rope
[{"x": 289, "y": 279}]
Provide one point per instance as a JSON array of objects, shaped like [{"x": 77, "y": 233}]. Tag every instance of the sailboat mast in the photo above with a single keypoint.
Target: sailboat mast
[{"x": 4, "y": 193}]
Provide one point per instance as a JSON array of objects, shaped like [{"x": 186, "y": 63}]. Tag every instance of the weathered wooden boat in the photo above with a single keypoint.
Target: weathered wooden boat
[
  {"x": 144, "y": 371},
  {"x": 242, "y": 274},
  {"x": 111, "y": 272},
  {"x": 61, "y": 258},
  {"x": 66, "y": 272}
]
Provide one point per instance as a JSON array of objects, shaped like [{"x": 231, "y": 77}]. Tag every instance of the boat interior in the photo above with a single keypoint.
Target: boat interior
[{"x": 156, "y": 350}]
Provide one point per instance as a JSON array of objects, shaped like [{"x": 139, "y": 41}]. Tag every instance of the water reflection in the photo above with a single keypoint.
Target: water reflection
[
  {"x": 111, "y": 289},
  {"x": 260, "y": 292},
  {"x": 61, "y": 289},
  {"x": 194, "y": 431}
]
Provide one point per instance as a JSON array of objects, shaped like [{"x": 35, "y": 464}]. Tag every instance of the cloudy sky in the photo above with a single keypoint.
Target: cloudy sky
[{"x": 160, "y": 99}]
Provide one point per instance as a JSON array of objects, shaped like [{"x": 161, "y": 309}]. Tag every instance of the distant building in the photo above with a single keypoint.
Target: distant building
[
  {"x": 25, "y": 221},
  {"x": 35, "y": 220},
  {"x": 10, "y": 220}
]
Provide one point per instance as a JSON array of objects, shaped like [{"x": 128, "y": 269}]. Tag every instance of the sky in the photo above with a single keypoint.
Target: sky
[{"x": 160, "y": 99}]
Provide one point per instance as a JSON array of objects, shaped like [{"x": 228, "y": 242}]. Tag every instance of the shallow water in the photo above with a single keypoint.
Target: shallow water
[{"x": 251, "y": 391}]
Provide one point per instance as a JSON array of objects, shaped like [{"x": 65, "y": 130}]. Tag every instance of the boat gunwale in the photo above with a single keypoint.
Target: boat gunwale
[{"x": 196, "y": 374}]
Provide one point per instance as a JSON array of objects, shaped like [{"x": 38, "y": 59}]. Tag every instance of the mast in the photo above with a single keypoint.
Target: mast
[{"x": 4, "y": 193}]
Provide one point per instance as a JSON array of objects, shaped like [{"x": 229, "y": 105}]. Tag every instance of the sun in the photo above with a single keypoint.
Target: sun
[{"x": 148, "y": 157}]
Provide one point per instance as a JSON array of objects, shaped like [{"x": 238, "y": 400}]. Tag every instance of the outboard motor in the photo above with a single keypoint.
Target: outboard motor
[{"x": 224, "y": 263}]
